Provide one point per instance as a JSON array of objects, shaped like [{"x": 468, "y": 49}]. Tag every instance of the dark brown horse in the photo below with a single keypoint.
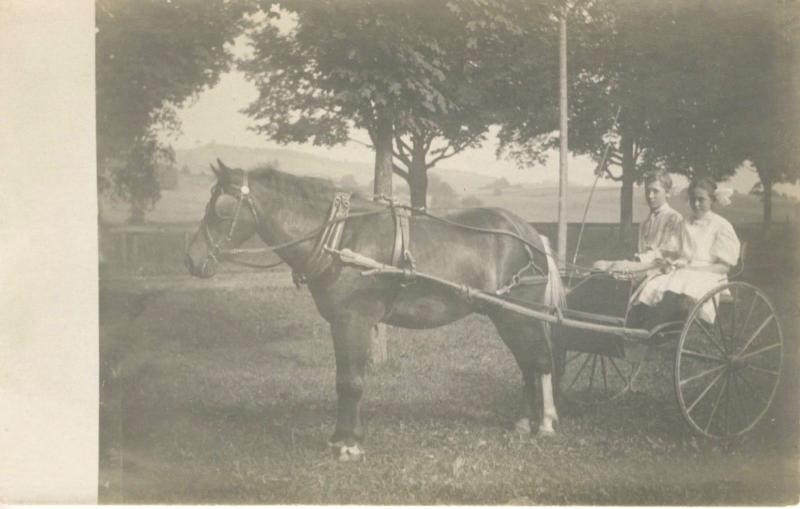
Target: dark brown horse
[{"x": 281, "y": 208}]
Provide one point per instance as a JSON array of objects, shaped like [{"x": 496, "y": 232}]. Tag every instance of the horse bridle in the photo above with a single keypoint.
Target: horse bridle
[{"x": 218, "y": 247}]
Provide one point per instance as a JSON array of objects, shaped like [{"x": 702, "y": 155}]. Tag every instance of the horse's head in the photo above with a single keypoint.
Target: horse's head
[{"x": 230, "y": 220}]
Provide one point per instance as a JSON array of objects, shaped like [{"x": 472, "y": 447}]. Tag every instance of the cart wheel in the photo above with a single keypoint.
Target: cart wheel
[
  {"x": 592, "y": 378},
  {"x": 727, "y": 372}
]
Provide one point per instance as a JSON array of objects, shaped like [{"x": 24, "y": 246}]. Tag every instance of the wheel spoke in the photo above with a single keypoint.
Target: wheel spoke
[
  {"x": 728, "y": 412},
  {"x": 705, "y": 391},
  {"x": 759, "y": 351},
  {"x": 710, "y": 336},
  {"x": 745, "y": 412},
  {"x": 591, "y": 376},
  {"x": 603, "y": 368},
  {"x": 704, "y": 373},
  {"x": 746, "y": 382},
  {"x": 619, "y": 372},
  {"x": 749, "y": 313},
  {"x": 755, "y": 334},
  {"x": 734, "y": 294},
  {"x": 716, "y": 404},
  {"x": 698, "y": 355},
  {"x": 578, "y": 374},
  {"x": 718, "y": 324},
  {"x": 761, "y": 370}
]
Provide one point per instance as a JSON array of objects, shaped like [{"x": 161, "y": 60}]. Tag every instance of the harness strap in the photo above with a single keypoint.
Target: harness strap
[
  {"x": 401, "y": 250},
  {"x": 319, "y": 260}
]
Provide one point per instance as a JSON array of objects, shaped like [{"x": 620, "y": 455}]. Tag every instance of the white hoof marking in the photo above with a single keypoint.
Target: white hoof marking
[
  {"x": 523, "y": 426},
  {"x": 344, "y": 452}
]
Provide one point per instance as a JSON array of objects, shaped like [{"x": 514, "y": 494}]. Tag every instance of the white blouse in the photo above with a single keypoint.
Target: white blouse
[
  {"x": 708, "y": 240},
  {"x": 705, "y": 241}
]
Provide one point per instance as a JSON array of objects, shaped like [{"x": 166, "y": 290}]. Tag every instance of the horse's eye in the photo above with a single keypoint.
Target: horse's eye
[{"x": 225, "y": 206}]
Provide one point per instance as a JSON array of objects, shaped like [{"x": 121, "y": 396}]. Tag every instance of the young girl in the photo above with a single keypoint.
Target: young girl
[{"x": 709, "y": 248}]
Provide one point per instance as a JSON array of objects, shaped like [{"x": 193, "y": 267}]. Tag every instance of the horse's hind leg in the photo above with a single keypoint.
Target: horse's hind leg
[
  {"x": 528, "y": 343},
  {"x": 351, "y": 331}
]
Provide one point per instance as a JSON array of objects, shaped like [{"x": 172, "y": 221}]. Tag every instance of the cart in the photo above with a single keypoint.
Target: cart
[{"x": 725, "y": 373}]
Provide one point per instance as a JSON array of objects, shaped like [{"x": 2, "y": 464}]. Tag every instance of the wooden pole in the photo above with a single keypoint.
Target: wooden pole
[{"x": 562, "y": 167}]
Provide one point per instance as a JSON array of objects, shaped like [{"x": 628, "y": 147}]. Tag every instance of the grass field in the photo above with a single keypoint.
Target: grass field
[
  {"x": 222, "y": 391},
  {"x": 537, "y": 204}
]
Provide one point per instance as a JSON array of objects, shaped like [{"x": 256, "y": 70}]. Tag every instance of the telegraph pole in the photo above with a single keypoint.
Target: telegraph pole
[{"x": 562, "y": 167}]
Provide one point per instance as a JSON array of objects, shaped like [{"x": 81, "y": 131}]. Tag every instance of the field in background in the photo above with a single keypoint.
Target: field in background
[{"x": 536, "y": 204}]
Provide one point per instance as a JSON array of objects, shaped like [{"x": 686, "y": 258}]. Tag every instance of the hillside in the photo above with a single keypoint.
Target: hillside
[
  {"x": 538, "y": 203},
  {"x": 196, "y": 160},
  {"x": 534, "y": 203}
]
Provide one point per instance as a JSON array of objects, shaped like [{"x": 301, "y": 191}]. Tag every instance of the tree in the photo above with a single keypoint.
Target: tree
[
  {"x": 407, "y": 72},
  {"x": 669, "y": 69},
  {"x": 769, "y": 127},
  {"x": 151, "y": 57}
]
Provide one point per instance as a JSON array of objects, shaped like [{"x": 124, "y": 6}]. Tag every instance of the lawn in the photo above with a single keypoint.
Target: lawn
[{"x": 221, "y": 392}]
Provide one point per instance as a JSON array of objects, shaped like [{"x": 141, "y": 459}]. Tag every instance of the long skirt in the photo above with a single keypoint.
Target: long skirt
[{"x": 692, "y": 283}]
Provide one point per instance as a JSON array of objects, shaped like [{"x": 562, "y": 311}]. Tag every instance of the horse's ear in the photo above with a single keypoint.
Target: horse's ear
[
  {"x": 222, "y": 166},
  {"x": 216, "y": 171}
]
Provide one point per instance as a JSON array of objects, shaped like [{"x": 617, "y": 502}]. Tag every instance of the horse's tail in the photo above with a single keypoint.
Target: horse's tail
[{"x": 554, "y": 294}]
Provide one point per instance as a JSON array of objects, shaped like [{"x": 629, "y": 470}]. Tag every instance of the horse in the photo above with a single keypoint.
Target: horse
[{"x": 480, "y": 248}]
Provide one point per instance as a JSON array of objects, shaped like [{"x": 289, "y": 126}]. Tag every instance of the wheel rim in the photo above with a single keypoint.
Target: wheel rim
[
  {"x": 591, "y": 378},
  {"x": 727, "y": 373}
]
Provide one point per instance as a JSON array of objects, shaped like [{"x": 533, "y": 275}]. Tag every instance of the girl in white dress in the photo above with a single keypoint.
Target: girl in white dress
[{"x": 709, "y": 249}]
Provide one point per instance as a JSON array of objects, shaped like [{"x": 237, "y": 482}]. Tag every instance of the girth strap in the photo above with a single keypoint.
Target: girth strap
[
  {"x": 401, "y": 250},
  {"x": 319, "y": 260}
]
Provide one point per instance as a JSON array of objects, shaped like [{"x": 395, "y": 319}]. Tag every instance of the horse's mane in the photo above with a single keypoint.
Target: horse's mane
[{"x": 313, "y": 190}]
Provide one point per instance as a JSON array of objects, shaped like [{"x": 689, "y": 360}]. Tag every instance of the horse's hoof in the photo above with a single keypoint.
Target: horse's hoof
[
  {"x": 344, "y": 452},
  {"x": 523, "y": 426},
  {"x": 546, "y": 431}
]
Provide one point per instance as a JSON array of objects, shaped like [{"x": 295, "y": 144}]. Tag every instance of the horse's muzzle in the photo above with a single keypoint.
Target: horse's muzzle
[{"x": 205, "y": 270}]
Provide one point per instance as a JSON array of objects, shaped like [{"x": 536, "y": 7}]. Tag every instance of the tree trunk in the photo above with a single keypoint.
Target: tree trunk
[
  {"x": 418, "y": 176},
  {"x": 384, "y": 138},
  {"x": 626, "y": 192},
  {"x": 766, "y": 183},
  {"x": 138, "y": 211}
]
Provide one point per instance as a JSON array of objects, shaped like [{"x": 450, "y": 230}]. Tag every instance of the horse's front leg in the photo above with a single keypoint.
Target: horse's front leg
[
  {"x": 351, "y": 333},
  {"x": 549, "y": 414}
]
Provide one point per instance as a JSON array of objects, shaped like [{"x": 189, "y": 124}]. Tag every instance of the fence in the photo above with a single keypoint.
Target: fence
[{"x": 164, "y": 244}]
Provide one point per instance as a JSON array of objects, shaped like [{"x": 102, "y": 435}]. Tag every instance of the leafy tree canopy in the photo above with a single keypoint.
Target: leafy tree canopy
[
  {"x": 427, "y": 67},
  {"x": 152, "y": 56},
  {"x": 685, "y": 75}
]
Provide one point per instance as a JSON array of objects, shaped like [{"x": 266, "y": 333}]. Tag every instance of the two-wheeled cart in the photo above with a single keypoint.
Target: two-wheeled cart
[{"x": 725, "y": 374}]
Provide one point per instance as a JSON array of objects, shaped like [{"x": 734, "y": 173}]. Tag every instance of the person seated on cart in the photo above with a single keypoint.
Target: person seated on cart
[
  {"x": 709, "y": 249},
  {"x": 659, "y": 235}
]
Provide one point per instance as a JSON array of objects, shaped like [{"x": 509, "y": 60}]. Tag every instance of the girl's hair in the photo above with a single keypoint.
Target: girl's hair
[
  {"x": 703, "y": 183},
  {"x": 721, "y": 195},
  {"x": 658, "y": 176}
]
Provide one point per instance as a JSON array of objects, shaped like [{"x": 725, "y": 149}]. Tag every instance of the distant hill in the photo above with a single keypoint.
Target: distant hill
[
  {"x": 531, "y": 201},
  {"x": 197, "y": 161}
]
